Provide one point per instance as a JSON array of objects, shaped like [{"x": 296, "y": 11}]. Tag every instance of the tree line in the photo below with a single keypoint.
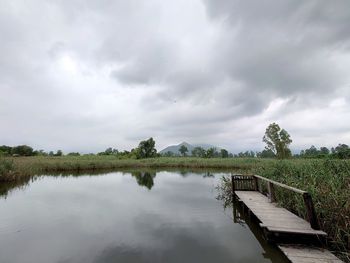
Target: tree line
[
  {"x": 145, "y": 149},
  {"x": 200, "y": 152},
  {"x": 25, "y": 150},
  {"x": 277, "y": 146}
]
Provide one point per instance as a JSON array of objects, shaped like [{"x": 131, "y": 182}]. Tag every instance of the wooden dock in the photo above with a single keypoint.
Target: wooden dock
[
  {"x": 302, "y": 254},
  {"x": 278, "y": 222},
  {"x": 274, "y": 218}
]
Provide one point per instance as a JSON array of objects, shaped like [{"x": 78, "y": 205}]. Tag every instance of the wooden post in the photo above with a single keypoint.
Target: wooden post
[
  {"x": 256, "y": 187},
  {"x": 233, "y": 187},
  {"x": 310, "y": 211},
  {"x": 271, "y": 190},
  {"x": 235, "y": 211}
]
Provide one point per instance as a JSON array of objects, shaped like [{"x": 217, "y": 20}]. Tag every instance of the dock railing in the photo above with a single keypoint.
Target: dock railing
[{"x": 254, "y": 183}]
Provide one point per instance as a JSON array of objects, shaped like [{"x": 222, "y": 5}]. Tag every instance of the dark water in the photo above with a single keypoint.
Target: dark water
[{"x": 125, "y": 217}]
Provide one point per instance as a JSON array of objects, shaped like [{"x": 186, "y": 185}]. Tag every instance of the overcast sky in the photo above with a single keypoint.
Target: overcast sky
[{"x": 84, "y": 75}]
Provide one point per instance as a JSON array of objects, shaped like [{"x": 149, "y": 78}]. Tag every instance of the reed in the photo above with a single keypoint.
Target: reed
[{"x": 39, "y": 165}]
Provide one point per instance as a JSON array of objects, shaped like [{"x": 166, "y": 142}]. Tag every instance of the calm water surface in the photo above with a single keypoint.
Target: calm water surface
[{"x": 125, "y": 217}]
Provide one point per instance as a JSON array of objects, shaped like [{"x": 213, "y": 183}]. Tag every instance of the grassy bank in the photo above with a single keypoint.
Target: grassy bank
[{"x": 38, "y": 165}]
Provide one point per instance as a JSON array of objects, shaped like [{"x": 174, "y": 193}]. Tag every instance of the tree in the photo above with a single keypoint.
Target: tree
[
  {"x": 168, "y": 154},
  {"x": 224, "y": 153},
  {"x": 58, "y": 153},
  {"x": 324, "y": 150},
  {"x": 109, "y": 151},
  {"x": 277, "y": 141},
  {"x": 342, "y": 151},
  {"x": 42, "y": 153},
  {"x": 312, "y": 151},
  {"x": 146, "y": 149},
  {"x": 22, "y": 150},
  {"x": 73, "y": 154},
  {"x": 198, "y": 152},
  {"x": 266, "y": 153},
  {"x": 210, "y": 152},
  {"x": 248, "y": 154},
  {"x": 183, "y": 150},
  {"x": 6, "y": 150}
]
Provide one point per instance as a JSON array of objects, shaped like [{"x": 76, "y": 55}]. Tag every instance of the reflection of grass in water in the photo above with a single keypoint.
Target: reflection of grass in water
[
  {"x": 328, "y": 181},
  {"x": 9, "y": 179},
  {"x": 144, "y": 176},
  {"x": 19, "y": 169},
  {"x": 6, "y": 187}
]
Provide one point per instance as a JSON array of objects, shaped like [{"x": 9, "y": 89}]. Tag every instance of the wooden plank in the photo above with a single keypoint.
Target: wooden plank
[
  {"x": 290, "y": 225},
  {"x": 294, "y": 230},
  {"x": 302, "y": 254},
  {"x": 274, "y": 218},
  {"x": 281, "y": 185}
]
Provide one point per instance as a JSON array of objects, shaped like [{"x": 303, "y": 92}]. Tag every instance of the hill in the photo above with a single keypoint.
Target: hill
[{"x": 175, "y": 148}]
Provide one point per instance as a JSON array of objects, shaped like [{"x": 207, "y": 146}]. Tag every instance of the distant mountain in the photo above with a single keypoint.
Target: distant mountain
[{"x": 175, "y": 148}]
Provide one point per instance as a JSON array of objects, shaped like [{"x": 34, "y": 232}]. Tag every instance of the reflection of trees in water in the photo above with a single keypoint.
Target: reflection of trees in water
[
  {"x": 208, "y": 174},
  {"x": 144, "y": 178},
  {"x": 21, "y": 182},
  {"x": 184, "y": 173}
]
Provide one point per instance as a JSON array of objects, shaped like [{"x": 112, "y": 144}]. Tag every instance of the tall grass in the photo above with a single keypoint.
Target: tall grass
[
  {"x": 6, "y": 170},
  {"x": 35, "y": 165}
]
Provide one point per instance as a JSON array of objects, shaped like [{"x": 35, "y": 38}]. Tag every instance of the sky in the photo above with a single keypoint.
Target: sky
[{"x": 84, "y": 75}]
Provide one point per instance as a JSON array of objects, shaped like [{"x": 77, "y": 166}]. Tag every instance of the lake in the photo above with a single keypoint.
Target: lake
[{"x": 130, "y": 216}]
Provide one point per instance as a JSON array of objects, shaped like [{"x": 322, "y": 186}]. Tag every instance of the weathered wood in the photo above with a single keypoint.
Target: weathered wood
[
  {"x": 271, "y": 190},
  {"x": 280, "y": 184},
  {"x": 256, "y": 186},
  {"x": 310, "y": 211},
  {"x": 243, "y": 183},
  {"x": 279, "y": 221},
  {"x": 233, "y": 187},
  {"x": 251, "y": 182},
  {"x": 293, "y": 230},
  {"x": 302, "y": 254},
  {"x": 274, "y": 218}
]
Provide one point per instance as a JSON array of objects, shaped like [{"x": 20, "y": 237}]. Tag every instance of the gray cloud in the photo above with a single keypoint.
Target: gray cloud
[{"x": 202, "y": 71}]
